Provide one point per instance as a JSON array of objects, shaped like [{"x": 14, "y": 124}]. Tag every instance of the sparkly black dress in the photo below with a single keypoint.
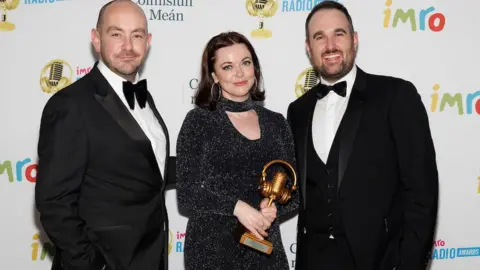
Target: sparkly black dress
[{"x": 216, "y": 167}]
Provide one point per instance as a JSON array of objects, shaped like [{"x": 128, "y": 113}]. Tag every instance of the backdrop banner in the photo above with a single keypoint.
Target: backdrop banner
[{"x": 45, "y": 46}]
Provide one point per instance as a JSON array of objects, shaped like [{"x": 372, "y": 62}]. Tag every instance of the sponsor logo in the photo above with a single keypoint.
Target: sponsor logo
[
  {"x": 462, "y": 103},
  {"x": 41, "y": 250},
  {"x": 20, "y": 170},
  {"x": 424, "y": 20},
  {"x": 299, "y": 5},
  {"x": 176, "y": 240},
  {"x": 443, "y": 252},
  {"x": 165, "y": 10},
  {"x": 36, "y": 2}
]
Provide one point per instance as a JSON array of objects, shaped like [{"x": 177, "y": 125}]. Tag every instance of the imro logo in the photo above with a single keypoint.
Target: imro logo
[
  {"x": 425, "y": 19},
  {"x": 461, "y": 103},
  {"x": 20, "y": 170},
  {"x": 41, "y": 251}
]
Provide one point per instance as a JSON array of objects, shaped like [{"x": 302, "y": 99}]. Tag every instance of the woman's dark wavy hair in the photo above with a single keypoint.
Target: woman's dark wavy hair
[{"x": 204, "y": 97}]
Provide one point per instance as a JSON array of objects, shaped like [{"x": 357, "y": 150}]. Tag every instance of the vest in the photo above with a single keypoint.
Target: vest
[{"x": 323, "y": 214}]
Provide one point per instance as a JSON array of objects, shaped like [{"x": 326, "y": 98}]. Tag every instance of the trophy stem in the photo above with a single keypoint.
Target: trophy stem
[
  {"x": 4, "y": 24},
  {"x": 4, "y": 13},
  {"x": 272, "y": 197},
  {"x": 261, "y": 25}
]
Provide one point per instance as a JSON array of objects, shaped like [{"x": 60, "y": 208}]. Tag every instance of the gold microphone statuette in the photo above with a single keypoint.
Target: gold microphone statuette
[
  {"x": 262, "y": 9},
  {"x": 4, "y": 6}
]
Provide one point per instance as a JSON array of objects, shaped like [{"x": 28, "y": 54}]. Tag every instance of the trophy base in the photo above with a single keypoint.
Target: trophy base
[
  {"x": 250, "y": 240},
  {"x": 7, "y": 26},
  {"x": 261, "y": 33}
]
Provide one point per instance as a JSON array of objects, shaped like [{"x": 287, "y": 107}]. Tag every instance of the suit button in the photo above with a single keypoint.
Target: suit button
[
  {"x": 327, "y": 171},
  {"x": 329, "y": 215},
  {"x": 329, "y": 200},
  {"x": 330, "y": 231}
]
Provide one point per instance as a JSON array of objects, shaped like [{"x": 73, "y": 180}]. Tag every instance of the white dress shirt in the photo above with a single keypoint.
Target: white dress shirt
[
  {"x": 328, "y": 114},
  {"x": 144, "y": 117}
]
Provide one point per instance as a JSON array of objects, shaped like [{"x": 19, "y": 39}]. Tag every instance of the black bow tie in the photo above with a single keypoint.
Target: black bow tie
[
  {"x": 138, "y": 90},
  {"x": 339, "y": 88}
]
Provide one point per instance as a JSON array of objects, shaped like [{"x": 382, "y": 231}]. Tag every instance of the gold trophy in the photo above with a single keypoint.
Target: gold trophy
[
  {"x": 274, "y": 190},
  {"x": 4, "y": 6},
  {"x": 262, "y": 9}
]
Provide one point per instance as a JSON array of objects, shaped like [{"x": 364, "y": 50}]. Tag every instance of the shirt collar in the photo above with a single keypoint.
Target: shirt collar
[{"x": 115, "y": 80}]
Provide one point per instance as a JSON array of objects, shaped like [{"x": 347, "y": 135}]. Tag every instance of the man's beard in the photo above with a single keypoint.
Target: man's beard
[{"x": 345, "y": 67}]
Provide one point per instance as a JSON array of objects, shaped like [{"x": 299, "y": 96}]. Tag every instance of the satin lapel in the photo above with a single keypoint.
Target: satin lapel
[
  {"x": 107, "y": 97},
  {"x": 304, "y": 119},
  {"x": 151, "y": 103},
  {"x": 350, "y": 122}
]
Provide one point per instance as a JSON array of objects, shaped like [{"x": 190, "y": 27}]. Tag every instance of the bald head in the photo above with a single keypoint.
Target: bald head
[
  {"x": 121, "y": 37},
  {"x": 118, "y": 5}
]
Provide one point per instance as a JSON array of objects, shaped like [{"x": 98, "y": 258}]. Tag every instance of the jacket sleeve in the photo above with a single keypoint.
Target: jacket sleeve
[
  {"x": 62, "y": 152},
  {"x": 418, "y": 174}
]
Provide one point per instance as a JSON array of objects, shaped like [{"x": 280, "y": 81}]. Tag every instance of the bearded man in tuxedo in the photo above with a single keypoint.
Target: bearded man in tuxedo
[{"x": 367, "y": 165}]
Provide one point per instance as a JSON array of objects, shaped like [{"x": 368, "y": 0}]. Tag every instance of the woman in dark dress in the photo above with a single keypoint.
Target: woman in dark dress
[{"x": 222, "y": 147}]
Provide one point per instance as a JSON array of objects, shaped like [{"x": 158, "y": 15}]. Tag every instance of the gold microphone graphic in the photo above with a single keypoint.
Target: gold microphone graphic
[
  {"x": 310, "y": 79},
  {"x": 262, "y": 9},
  {"x": 55, "y": 81},
  {"x": 4, "y": 6}
]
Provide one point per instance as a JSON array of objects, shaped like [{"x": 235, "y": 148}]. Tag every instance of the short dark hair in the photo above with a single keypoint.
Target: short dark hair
[
  {"x": 204, "y": 97},
  {"x": 329, "y": 5}
]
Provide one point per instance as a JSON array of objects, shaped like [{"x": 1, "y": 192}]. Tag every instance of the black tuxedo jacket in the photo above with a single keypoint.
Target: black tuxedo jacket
[
  {"x": 99, "y": 189},
  {"x": 387, "y": 181}
]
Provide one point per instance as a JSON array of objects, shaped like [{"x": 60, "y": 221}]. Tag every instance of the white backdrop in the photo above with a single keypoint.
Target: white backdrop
[{"x": 437, "y": 52}]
